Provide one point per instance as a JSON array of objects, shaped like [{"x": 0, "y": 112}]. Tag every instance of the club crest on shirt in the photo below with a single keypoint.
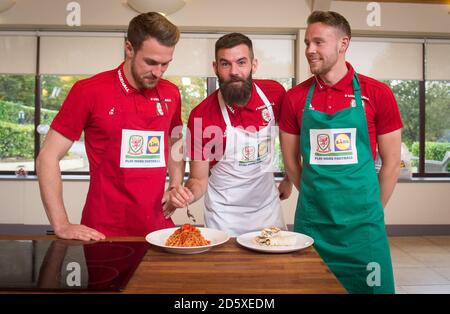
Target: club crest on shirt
[
  {"x": 136, "y": 144},
  {"x": 248, "y": 153},
  {"x": 159, "y": 109},
  {"x": 323, "y": 143},
  {"x": 265, "y": 114}
]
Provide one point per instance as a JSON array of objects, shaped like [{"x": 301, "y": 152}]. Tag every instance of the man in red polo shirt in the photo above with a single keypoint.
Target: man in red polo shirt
[
  {"x": 128, "y": 115},
  {"x": 231, "y": 135},
  {"x": 334, "y": 121}
]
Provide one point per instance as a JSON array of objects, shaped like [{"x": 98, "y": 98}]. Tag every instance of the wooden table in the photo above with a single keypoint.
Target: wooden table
[{"x": 229, "y": 269}]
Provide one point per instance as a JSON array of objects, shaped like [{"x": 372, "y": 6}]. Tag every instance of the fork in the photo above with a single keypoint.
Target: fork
[{"x": 189, "y": 214}]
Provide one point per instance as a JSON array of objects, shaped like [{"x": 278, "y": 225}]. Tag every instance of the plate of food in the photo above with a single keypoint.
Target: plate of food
[
  {"x": 275, "y": 240},
  {"x": 187, "y": 239}
]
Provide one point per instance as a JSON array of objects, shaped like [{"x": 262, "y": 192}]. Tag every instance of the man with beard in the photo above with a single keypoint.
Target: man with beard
[
  {"x": 129, "y": 117},
  {"x": 330, "y": 127},
  {"x": 230, "y": 143}
]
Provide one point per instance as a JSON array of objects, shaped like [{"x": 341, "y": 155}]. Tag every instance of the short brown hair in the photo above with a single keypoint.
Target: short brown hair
[
  {"x": 232, "y": 40},
  {"x": 332, "y": 19},
  {"x": 153, "y": 25}
]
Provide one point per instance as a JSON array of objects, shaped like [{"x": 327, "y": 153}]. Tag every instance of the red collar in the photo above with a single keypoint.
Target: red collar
[
  {"x": 343, "y": 84},
  {"x": 123, "y": 82},
  {"x": 127, "y": 88}
]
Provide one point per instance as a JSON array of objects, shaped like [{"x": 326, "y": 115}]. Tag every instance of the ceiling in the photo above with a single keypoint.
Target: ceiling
[{"x": 407, "y": 1}]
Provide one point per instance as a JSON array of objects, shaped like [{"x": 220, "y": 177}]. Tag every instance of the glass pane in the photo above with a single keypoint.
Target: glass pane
[
  {"x": 437, "y": 127},
  {"x": 407, "y": 95},
  {"x": 278, "y": 159},
  {"x": 16, "y": 122},
  {"x": 192, "y": 90},
  {"x": 54, "y": 90},
  {"x": 286, "y": 82}
]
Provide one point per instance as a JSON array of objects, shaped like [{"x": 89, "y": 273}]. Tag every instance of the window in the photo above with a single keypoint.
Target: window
[
  {"x": 193, "y": 90},
  {"x": 65, "y": 59},
  {"x": 17, "y": 100},
  {"x": 437, "y": 127},
  {"x": 407, "y": 95},
  {"x": 17, "y": 122},
  {"x": 400, "y": 63},
  {"x": 54, "y": 89},
  {"x": 437, "y": 107}
]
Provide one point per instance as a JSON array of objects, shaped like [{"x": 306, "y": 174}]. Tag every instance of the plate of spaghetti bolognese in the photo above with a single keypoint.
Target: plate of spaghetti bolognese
[{"x": 187, "y": 239}]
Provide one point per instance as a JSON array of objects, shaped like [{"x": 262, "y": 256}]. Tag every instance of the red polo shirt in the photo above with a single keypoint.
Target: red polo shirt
[
  {"x": 208, "y": 114},
  {"x": 381, "y": 108},
  {"x": 92, "y": 101}
]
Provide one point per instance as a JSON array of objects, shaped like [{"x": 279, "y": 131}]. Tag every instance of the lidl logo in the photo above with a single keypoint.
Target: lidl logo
[
  {"x": 153, "y": 144},
  {"x": 342, "y": 141},
  {"x": 262, "y": 149}
]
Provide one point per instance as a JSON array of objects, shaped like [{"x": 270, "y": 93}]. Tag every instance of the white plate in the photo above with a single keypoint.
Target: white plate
[
  {"x": 302, "y": 241},
  {"x": 160, "y": 237}
]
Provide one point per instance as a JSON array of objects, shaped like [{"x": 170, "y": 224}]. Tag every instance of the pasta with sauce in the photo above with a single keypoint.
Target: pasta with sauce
[{"x": 187, "y": 236}]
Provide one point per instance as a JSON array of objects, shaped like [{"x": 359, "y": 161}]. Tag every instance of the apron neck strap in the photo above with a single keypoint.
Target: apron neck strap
[
  {"x": 310, "y": 93},
  {"x": 356, "y": 91},
  {"x": 266, "y": 101},
  {"x": 223, "y": 108}
]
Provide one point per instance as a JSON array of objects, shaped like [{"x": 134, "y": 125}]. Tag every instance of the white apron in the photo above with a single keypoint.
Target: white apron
[{"x": 242, "y": 195}]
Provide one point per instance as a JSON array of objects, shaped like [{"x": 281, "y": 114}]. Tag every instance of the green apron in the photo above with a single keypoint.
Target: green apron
[{"x": 339, "y": 203}]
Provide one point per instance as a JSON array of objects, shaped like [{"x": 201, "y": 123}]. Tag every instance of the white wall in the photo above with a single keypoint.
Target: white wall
[{"x": 212, "y": 15}]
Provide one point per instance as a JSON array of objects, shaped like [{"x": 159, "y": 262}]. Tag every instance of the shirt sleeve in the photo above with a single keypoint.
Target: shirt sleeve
[
  {"x": 388, "y": 117},
  {"x": 289, "y": 120},
  {"x": 73, "y": 115}
]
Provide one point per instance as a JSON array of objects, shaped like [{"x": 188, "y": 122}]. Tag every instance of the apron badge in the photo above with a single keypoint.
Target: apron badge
[
  {"x": 265, "y": 114},
  {"x": 333, "y": 146}
]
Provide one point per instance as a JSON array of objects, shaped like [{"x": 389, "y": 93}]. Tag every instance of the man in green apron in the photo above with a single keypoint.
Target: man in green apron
[{"x": 341, "y": 117}]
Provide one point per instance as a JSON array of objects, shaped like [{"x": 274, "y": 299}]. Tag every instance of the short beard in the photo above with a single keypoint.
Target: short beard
[
  {"x": 140, "y": 82},
  {"x": 322, "y": 71},
  {"x": 236, "y": 95}
]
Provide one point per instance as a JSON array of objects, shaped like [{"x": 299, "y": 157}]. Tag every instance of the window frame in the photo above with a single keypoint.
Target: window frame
[{"x": 211, "y": 87}]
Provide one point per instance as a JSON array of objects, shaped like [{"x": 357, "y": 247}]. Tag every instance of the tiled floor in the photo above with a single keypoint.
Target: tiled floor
[{"x": 421, "y": 264}]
